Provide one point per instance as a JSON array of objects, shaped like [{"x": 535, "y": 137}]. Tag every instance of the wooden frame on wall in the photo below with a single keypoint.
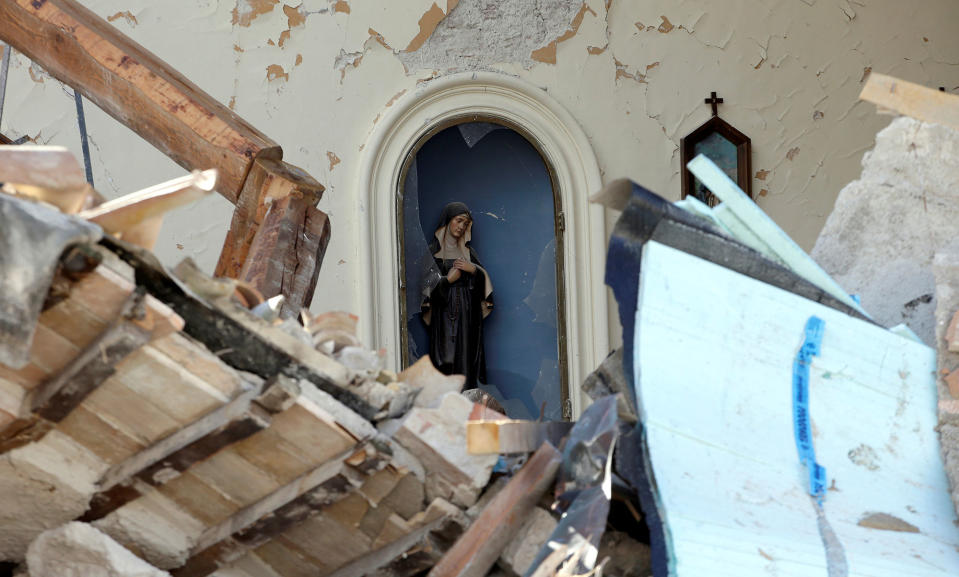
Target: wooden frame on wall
[{"x": 717, "y": 125}]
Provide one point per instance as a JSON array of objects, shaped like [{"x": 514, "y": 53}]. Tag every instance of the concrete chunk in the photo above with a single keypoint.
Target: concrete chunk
[
  {"x": 886, "y": 227},
  {"x": 437, "y": 438},
  {"x": 80, "y": 550}
]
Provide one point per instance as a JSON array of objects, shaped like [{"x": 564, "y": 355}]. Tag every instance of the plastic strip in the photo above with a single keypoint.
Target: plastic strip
[{"x": 801, "y": 422}]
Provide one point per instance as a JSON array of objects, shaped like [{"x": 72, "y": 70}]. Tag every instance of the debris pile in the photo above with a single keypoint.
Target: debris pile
[
  {"x": 168, "y": 423},
  {"x": 171, "y": 423}
]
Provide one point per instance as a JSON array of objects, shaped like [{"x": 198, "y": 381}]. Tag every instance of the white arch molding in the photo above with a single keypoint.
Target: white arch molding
[{"x": 564, "y": 146}]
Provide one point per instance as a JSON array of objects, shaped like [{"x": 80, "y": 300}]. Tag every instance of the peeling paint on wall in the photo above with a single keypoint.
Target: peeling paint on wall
[
  {"x": 484, "y": 33},
  {"x": 126, "y": 15},
  {"x": 276, "y": 72},
  {"x": 666, "y": 26},
  {"x": 428, "y": 24},
  {"x": 246, "y": 11},
  {"x": 395, "y": 97},
  {"x": 333, "y": 158},
  {"x": 547, "y": 53},
  {"x": 345, "y": 60}
]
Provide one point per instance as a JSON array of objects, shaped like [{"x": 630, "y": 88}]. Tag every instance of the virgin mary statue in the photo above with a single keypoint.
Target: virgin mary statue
[{"x": 458, "y": 295}]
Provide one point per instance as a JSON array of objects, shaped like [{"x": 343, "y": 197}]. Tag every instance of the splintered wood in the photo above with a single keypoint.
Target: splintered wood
[
  {"x": 136, "y": 87},
  {"x": 484, "y": 541},
  {"x": 915, "y": 100},
  {"x": 276, "y": 210}
]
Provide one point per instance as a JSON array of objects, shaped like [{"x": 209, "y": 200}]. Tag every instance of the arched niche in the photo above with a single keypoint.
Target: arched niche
[{"x": 565, "y": 148}]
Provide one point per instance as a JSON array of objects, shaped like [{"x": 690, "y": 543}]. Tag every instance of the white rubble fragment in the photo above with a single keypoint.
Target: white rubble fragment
[
  {"x": 45, "y": 484},
  {"x": 886, "y": 227},
  {"x": 79, "y": 550},
  {"x": 437, "y": 438}
]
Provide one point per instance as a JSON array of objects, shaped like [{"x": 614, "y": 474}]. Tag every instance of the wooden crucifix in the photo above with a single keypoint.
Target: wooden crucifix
[{"x": 715, "y": 102}]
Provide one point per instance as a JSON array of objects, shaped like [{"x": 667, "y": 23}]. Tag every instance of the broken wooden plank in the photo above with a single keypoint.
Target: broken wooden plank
[
  {"x": 158, "y": 463},
  {"x": 269, "y": 180},
  {"x": 134, "y": 86},
  {"x": 269, "y": 526},
  {"x": 55, "y": 398},
  {"x": 47, "y": 173},
  {"x": 242, "y": 342},
  {"x": 410, "y": 555},
  {"x": 140, "y": 213},
  {"x": 287, "y": 252},
  {"x": 477, "y": 550},
  {"x": 509, "y": 436},
  {"x": 248, "y": 515},
  {"x": 910, "y": 99}
]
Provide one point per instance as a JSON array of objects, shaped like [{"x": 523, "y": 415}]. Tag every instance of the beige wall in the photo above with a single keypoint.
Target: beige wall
[{"x": 318, "y": 75}]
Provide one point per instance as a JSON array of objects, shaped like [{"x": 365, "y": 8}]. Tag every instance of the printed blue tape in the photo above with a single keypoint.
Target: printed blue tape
[{"x": 801, "y": 422}]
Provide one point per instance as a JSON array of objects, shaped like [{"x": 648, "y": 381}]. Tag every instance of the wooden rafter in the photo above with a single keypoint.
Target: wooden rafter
[{"x": 191, "y": 127}]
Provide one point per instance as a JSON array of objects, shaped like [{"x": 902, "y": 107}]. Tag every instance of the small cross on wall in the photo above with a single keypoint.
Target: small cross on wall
[{"x": 715, "y": 102}]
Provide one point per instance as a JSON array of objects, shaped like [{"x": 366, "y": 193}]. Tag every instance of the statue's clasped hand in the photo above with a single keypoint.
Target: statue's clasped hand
[{"x": 464, "y": 265}]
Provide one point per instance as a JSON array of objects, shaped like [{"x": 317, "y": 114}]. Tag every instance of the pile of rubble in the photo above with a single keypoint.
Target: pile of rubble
[
  {"x": 155, "y": 423},
  {"x": 168, "y": 423}
]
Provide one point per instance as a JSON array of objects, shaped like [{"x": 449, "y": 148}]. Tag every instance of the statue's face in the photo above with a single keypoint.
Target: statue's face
[{"x": 458, "y": 225}]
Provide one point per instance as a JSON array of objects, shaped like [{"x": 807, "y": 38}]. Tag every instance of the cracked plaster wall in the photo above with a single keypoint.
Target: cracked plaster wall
[{"x": 317, "y": 75}]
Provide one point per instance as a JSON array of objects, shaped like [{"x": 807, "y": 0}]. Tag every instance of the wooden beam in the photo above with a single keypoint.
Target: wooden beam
[
  {"x": 136, "y": 87},
  {"x": 57, "y": 396},
  {"x": 269, "y": 180},
  {"x": 915, "y": 100},
  {"x": 287, "y": 252},
  {"x": 477, "y": 550}
]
